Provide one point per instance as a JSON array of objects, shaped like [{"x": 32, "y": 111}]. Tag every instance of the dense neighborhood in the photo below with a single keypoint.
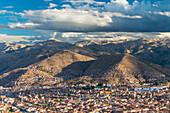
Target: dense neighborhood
[{"x": 81, "y": 98}]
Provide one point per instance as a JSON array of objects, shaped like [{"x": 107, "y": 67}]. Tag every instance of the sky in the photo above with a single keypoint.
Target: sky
[{"x": 30, "y": 21}]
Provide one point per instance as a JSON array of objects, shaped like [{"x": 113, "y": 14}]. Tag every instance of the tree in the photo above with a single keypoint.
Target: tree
[
  {"x": 156, "y": 83},
  {"x": 69, "y": 94},
  {"x": 9, "y": 109},
  {"x": 101, "y": 84},
  {"x": 61, "y": 100},
  {"x": 141, "y": 83}
]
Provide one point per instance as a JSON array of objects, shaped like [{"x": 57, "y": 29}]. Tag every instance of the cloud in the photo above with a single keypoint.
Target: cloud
[
  {"x": 76, "y": 2},
  {"x": 66, "y": 6},
  {"x": 13, "y": 38},
  {"x": 85, "y": 4},
  {"x": 5, "y": 11},
  {"x": 64, "y": 20},
  {"x": 125, "y": 16},
  {"x": 80, "y": 1},
  {"x": 52, "y": 5},
  {"x": 74, "y": 36},
  {"x": 150, "y": 21},
  {"x": 22, "y": 25},
  {"x": 9, "y": 12},
  {"x": 8, "y": 7},
  {"x": 118, "y": 6},
  {"x": 77, "y": 36},
  {"x": 70, "y": 20},
  {"x": 114, "y": 16},
  {"x": 48, "y": 0},
  {"x": 163, "y": 13}
]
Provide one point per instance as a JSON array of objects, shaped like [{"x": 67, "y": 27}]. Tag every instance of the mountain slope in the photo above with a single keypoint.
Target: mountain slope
[
  {"x": 122, "y": 67},
  {"x": 52, "y": 61},
  {"x": 8, "y": 47},
  {"x": 31, "y": 54},
  {"x": 41, "y": 72},
  {"x": 63, "y": 59},
  {"x": 152, "y": 50}
]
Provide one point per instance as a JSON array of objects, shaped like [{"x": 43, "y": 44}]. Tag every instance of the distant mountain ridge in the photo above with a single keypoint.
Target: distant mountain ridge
[
  {"x": 7, "y": 47},
  {"x": 110, "y": 61},
  {"x": 152, "y": 50}
]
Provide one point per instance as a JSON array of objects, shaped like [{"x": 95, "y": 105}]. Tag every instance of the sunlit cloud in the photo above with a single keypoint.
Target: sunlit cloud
[{"x": 52, "y": 5}]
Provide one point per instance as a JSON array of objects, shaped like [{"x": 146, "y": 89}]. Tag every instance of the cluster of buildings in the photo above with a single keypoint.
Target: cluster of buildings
[{"x": 80, "y": 98}]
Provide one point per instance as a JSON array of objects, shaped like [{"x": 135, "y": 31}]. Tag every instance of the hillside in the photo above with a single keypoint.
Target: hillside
[
  {"x": 45, "y": 70},
  {"x": 152, "y": 50},
  {"x": 8, "y": 47},
  {"x": 53, "y": 61},
  {"x": 31, "y": 54},
  {"x": 122, "y": 67},
  {"x": 61, "y": 60}
]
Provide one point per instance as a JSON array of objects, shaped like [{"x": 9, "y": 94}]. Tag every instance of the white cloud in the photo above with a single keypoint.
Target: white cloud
[
  {"x": 23, "y": 25},
  {"x": 14, "y": 38},
  {"x": 8, "y": 7},
  {"x": 9, "y": 12},
  {"x": 64, "y": 19},
  {"x": 52, "y": 5},
  {"x": 123, "y": 6},
  {"x": 84, "y": 4},
  {"x": 74, "y": 36},
  {"x": 66, "y": 6},
  {"x": 76, "y": 2},
  {"x": 80, "y": 1},
  {"x": 125, "y": 16},
  {"x": 68, "y": 20},
  {"x": 163, "y": 13},
  {"x": 5, "y": 11},
  {"x": 48, "y": 0}
]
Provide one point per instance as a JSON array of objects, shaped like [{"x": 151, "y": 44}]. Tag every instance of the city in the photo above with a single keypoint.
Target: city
[{"x": 81, "y": 98}]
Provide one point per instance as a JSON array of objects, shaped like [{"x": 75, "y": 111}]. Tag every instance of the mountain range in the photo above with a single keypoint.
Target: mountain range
[{"x": 92, "y": 61}]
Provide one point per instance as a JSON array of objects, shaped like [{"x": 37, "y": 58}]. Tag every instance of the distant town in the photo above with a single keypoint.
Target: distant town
[{"x": 82, "y": 98}]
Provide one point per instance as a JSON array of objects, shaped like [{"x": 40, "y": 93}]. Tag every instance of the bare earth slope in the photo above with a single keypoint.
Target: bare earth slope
[
  {"x": 122, "y": 67},
  {"x": 152, "y": 50},
  {"x": 45, "y": 70},
  {"x": 52, "y": 61}
]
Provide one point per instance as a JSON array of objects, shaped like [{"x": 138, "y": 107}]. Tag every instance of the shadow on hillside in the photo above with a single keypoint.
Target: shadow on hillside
[
  {"x": 11, "y": 78},
  {"x": 32, "y": 54},
  {"x": 79, "y": 69},
  {"x": 74, "y": 70}
]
